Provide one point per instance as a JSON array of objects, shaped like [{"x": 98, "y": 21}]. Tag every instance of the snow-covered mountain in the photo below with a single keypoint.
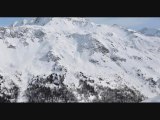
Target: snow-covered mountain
[
  {"x": 74, "y": 60},
  {"x": 150, "y": 31}
]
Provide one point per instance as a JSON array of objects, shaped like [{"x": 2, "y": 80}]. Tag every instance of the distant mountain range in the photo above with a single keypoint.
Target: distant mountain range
[{"x": 150, "y": 31}]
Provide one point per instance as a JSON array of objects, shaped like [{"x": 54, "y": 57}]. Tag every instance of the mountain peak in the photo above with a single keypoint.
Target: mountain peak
[
  {"x": 33, "y": 21},
  {"x": 45, "y": 20}
]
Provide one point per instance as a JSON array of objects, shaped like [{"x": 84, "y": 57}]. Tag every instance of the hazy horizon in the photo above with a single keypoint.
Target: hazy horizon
[{"x": 129, "y": 22}]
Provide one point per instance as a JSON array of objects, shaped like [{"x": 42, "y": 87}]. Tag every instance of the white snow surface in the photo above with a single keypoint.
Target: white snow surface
[{"x": 81, "y": 45}]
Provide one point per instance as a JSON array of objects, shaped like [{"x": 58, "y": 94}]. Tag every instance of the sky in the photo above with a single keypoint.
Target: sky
[{"x": 129, "y": 22}]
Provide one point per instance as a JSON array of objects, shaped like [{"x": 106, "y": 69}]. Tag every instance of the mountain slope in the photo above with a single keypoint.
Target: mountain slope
[
  {"x": 152, "y": 100},
  {"x": 75, "y": 60}
]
